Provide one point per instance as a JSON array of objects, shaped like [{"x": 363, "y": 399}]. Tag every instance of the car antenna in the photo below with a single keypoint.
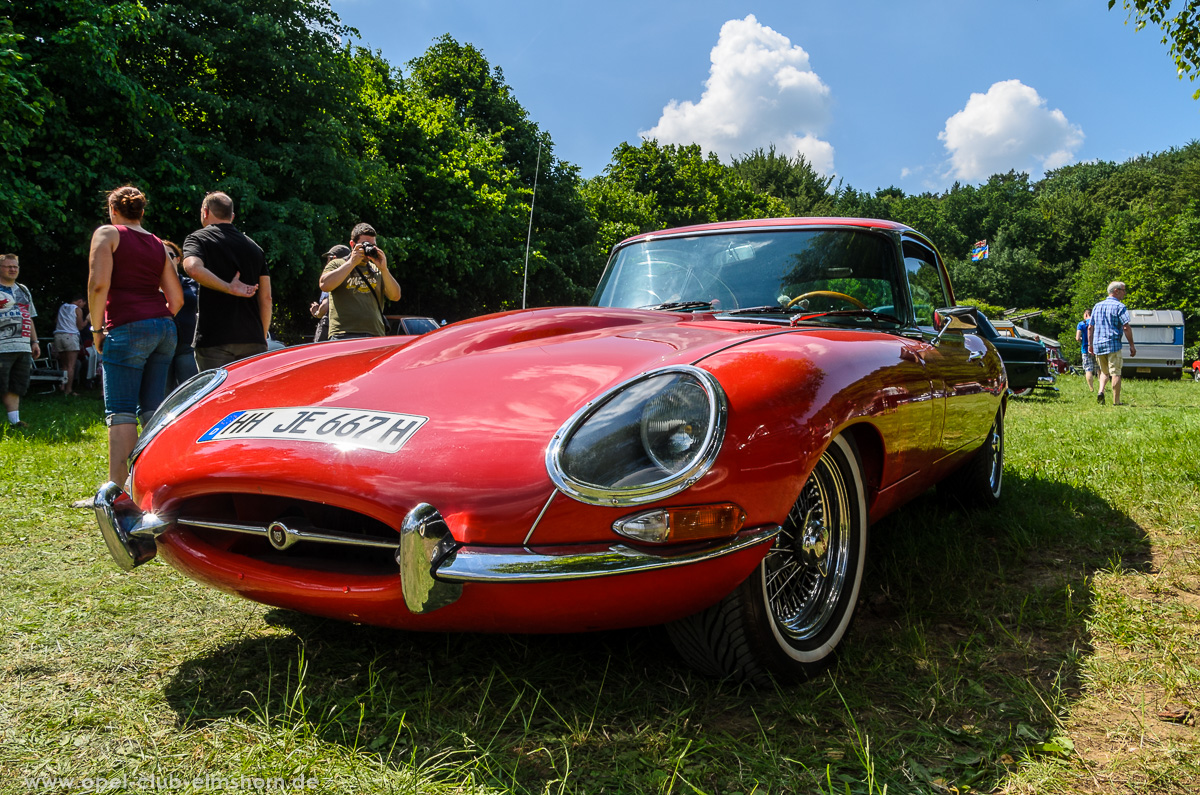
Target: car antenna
[{"x": 529, "y": 234}]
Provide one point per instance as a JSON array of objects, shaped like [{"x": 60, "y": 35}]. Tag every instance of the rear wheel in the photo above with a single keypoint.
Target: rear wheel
[
  {"x": 978, "y": 483},
  {"x": 1026, "y": 392},
  {"x": 787, "y": 619}
]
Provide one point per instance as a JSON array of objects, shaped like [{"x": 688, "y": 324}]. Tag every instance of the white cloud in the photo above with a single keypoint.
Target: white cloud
[
  {"x": 760, "y": 91},
  {"x": 1009, "y": 127}
]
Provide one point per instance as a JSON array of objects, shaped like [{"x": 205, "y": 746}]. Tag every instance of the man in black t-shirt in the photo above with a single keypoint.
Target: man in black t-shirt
[{"x": 235, "y": 287}]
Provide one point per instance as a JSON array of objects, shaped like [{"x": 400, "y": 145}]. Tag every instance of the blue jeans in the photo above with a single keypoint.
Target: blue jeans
[
  {"x": 136, "y": 359},
  {"x": 183, "y": 367}
]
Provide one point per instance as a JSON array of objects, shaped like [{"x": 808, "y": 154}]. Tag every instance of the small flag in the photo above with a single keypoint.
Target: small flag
[{"x": 980, "y": 251}]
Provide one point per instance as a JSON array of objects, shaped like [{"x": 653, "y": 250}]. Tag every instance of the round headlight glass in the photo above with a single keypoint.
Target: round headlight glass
[
  {"x": 647, "y": 439},
  {"x": 186, "y": 395},
  {"x": 675, "y": 422}
]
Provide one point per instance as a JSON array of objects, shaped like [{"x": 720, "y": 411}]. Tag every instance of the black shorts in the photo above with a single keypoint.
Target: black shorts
[{"x": 15, "y": 369}]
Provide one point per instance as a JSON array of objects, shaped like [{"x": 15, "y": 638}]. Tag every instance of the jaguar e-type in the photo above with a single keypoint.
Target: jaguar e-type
[{"x": 705, "y": 446}]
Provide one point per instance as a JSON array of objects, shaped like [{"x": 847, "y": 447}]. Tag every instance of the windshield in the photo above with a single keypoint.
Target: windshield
[{"x": 774, "y": 272}]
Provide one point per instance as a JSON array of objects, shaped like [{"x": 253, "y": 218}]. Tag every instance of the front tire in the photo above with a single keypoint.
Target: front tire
[{"x": 788, "y": 617}]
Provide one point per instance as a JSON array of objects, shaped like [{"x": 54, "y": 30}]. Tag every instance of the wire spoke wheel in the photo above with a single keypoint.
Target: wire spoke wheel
[
  {"x": 979, "y": 482},
  {"x": 995, "y": 455},
  {"x": 788, "y": 617},
  {"x": 805, "y": 573}
]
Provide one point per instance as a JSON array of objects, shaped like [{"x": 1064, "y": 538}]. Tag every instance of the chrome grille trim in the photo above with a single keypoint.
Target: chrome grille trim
[{"x": 286, "y": 534}]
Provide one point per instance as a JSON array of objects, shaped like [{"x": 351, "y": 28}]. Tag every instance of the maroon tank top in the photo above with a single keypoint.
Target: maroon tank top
[{"x": 133, "y": 293}]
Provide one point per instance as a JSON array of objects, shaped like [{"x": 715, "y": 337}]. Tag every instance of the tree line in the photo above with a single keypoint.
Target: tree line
[
  {"x": 272, "y": 102},
  {"x": 268, "y": 101}
]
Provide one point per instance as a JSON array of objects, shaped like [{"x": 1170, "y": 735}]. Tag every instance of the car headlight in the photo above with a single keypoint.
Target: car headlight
[
  {"x": 647, "y": 439},
  {"x": 183, "y": 398}
]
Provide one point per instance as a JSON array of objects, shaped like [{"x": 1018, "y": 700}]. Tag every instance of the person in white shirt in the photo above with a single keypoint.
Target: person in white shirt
[
  {"x": 18, "y": 338},
  {"x": 71, "y": 320}
]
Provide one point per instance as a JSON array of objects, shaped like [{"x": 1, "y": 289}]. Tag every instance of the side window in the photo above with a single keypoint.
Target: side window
[{"x": 924, "y": 281}]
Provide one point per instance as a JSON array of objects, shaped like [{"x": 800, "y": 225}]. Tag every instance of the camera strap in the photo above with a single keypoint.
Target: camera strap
[{"x": 365, "y": 275}]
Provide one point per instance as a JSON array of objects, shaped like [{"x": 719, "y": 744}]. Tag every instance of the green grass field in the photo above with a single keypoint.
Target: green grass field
[{"x": 1050, "y": 645}]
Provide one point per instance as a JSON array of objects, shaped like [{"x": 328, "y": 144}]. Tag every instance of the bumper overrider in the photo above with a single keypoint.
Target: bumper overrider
[{"x": 433, "y": 566}]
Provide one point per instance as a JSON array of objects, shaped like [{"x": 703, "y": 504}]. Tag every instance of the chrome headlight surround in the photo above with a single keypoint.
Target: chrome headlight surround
[
  {"x": 186, "y": 395},
  {"x": 660, "y": 431}
]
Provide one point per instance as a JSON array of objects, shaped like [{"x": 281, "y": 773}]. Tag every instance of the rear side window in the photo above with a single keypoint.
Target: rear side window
[
  {"x": 418, "y": 325},
  {"x": 924, "y": 281}
]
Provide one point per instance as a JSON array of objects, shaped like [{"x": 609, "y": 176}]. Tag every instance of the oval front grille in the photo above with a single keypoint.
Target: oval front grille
[{"x": 294, "y": 533}]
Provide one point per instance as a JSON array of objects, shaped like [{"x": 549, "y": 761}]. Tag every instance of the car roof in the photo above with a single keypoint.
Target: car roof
[{"x": 767, "y": 223}]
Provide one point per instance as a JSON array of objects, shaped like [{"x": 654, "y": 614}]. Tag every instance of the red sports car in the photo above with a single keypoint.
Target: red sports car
[{"x": 704, "y": 446}]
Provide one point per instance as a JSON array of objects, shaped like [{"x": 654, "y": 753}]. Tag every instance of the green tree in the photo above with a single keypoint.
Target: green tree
[
  {"x": 1010, "y": 277},
  {"x": 74, "y": 138},
  {"x": 1157, "y": 256},
  {"x": 620, "y": 212},
  {"x": 268, "y": 106},
  {"x": 261, "y": 99},
  {"x": 1073, "y": 218},
  {"x": 21, "y": 112},
  {"x": 251, "y": 98},
  {"x": 794, "y": 182},
  {"x": 964, "y": 212},
  {"x": 563, "y": 266},
  {"x": 453, "y": 219},
  {"x": 1181, "y": 30},
  {"x": 1163, "y": 261},
  {"x": 655, "y": 186}
]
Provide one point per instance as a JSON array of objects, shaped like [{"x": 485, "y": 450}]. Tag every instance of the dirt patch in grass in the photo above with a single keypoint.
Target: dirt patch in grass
[{"x": 1123, "y": 742}]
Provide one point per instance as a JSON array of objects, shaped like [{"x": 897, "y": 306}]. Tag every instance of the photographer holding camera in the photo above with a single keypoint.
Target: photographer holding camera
[{"x": 357, "y": 286}]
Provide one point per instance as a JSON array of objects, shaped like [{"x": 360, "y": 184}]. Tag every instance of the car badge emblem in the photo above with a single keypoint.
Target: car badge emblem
[{"x": 280, "y": 535}]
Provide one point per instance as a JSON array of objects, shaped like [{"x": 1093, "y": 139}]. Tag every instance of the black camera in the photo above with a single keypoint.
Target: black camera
[{"x": 368, "y": 248}]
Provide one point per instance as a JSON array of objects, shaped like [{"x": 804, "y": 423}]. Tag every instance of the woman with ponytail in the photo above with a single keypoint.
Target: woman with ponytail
[{"x": 133, "y": 295}]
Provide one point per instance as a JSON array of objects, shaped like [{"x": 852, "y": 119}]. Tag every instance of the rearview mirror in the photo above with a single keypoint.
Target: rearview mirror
[{"x": 953, "y": 318}]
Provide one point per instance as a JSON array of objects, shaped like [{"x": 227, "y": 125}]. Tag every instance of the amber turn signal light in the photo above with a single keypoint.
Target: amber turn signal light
[{"x": 679, "y": 525}]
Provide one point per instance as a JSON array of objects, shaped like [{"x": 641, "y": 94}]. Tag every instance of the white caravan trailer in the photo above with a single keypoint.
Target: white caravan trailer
[{"x": 1158, "y": 335}]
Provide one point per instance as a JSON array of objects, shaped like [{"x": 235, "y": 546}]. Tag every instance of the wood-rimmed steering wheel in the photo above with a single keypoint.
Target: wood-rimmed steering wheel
[{"x": 827, "y": 294}]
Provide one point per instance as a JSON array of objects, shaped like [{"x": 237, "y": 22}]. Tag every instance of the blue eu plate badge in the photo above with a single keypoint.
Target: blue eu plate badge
[{"x": 384, "y": 431}]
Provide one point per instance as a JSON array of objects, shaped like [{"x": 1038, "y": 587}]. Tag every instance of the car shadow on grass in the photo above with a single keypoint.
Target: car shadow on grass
[{"x": 970, "y": 637}]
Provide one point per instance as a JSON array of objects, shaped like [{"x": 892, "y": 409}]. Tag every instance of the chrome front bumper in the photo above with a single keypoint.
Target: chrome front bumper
[
  {"x": 128, "y": 533},
  {"x": 433, "y": 566}
]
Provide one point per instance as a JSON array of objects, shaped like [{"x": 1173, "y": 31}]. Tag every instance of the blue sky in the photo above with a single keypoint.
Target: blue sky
[{"x": 915, "y": 94}]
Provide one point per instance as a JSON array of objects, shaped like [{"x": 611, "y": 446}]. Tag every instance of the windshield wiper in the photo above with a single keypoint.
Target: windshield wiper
[
  {"x": 878, "y": 317},
  {"x": 761, "y": 310},
  {"x": 681, "y": 305}
]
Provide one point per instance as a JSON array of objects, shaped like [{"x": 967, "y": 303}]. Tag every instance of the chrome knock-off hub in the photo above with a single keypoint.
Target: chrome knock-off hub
[{"x": 813, "y": 546}]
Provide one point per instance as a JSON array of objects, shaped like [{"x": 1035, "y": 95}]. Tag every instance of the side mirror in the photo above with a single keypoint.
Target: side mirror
[{"x": 953, "y": 318}]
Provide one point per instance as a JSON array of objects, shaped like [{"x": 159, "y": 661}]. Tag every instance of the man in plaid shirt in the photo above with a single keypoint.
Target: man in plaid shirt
[{"x": 1110, "y": 319}]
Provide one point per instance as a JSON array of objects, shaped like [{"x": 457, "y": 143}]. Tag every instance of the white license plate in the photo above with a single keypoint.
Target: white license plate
[{"x": 385, "y": 431}]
